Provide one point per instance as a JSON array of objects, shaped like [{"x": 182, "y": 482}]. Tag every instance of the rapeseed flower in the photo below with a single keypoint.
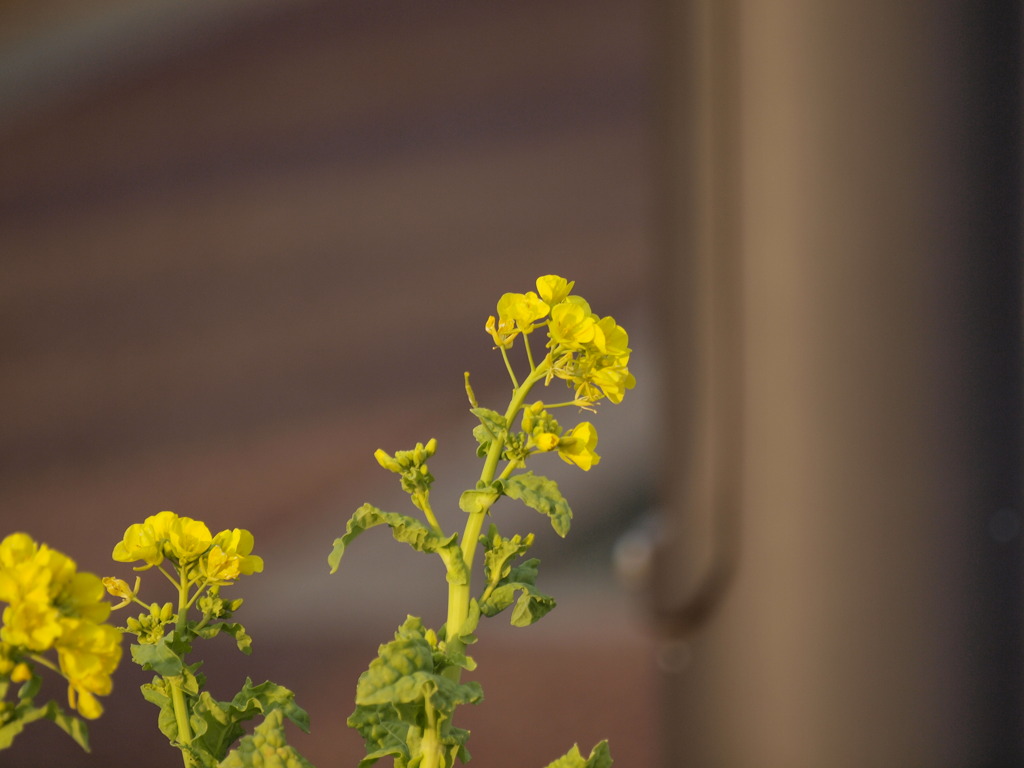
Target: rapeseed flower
[
  {"x": 160, "y": 536},
  {"x": 52, "y": 605},
  {"x": 577, "y": 447},
  {"x": 230, "y": 556}
]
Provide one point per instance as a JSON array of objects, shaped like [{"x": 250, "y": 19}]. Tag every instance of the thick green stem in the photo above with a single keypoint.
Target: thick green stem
[
  {"x": 430, "y": 745},
  {"x": 181, "y": 717},
  {"x": 431, "y": 748}
]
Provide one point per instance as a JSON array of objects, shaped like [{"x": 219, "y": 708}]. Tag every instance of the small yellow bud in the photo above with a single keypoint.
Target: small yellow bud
[
  {"x": 166, "y": 612},
  {"x": 386, "y": 461},
  {"x": 21, "y": 673}
]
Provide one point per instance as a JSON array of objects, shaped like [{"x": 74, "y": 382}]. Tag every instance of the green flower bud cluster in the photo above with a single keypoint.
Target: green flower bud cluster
[
  {"x": 149, "y": 627},
  {"x": 214, "y": 606},
  {"x": 411, "y": 467}
]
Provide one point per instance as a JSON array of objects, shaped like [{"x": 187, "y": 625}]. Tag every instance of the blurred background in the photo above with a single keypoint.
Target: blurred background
[{"x": 244, "y": 243}]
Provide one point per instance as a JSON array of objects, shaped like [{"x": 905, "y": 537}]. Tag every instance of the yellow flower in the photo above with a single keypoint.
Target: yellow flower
[
  {"x": 31, "y": 624},
  {"x": 144, "y": 541},
  {"x": 163, "y": 535},
  {"x": 88, "y": 654},
  {"x": 52, "y": 605},
  {"x": 16, "y": 548},
  {"x": 578, "y": 446},
  {"x": 82, "y": 596},
  {"x": 503, "y": 331},
  {"x": 613, "y": 381},
  {"x": 119, "y": 588},
  {"x": 188, "y": 539},
  {"x": 230, "y": 557},
  {"x": 572, "y": 324},
  {"x": 614, "y": 340},
  {"x": 553, "y": 289},
  {"x": 517, "y": 313},
  {"x": 524, "y": 309}
]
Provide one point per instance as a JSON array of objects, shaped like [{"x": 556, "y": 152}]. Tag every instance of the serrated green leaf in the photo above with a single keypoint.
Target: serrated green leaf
[
  {"x": 267, "y": 747},
  {"x": 518, "y": 588},
  {"x": 236, "y": 630},
  {"x": 600, "y": 757},
  {"x": 530, "y": 605},
  {"x": 268, "y": 697},
  {"x": 541, "y": 494},
  {"x": 500, "y": 551},
  {"x": 392, "y": 697},
  {"x": 404, "y": 528},
  {"x": 385, "y": 732}
]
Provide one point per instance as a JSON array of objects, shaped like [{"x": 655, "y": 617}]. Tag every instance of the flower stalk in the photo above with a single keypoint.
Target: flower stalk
[{"x": 415, "y": 684}]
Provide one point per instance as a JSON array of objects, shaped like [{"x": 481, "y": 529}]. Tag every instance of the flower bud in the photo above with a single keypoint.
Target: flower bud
[{"x": 386, "y": 461}]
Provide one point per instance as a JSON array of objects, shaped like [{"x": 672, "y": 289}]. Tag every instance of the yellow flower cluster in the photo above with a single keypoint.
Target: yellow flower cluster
[
  {"x": 188, "y": 543},
  {"x": 50, "y": 604},
  {"x": 591, "y": 353}
]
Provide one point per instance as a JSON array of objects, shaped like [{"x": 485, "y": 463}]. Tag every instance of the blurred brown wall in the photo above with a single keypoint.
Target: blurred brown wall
[{"x": 841, "y": 582}]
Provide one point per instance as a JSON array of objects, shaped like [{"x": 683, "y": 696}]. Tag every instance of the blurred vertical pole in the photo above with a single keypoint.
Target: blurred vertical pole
[{"x": 840, "y": 578}]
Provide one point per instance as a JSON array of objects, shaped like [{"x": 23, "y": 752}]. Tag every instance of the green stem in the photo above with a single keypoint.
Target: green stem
[
  {"x": 181, "y": 717},
  {"x": 430, "y": 747},
  {"x": 508, "y": 367},
  {"x": 181, "y": 714},
  {"x": 422, "y": 500},
  {"x": 46, "y": 663},
  {"x": 431, "y": 743},
  {"x": 458, "y": 594}
]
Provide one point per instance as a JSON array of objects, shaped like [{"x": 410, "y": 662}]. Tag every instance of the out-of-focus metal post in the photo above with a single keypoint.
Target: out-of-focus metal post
[{"x": 840, "y": 578}]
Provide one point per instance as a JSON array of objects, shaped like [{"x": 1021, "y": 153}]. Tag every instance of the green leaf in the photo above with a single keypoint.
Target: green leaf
[
  {"x": 478, "y": 500},
  {"x": 30, "y": 687},
  {"x": 214, "y": 729},
  {"x": 159, "y": 657},
  {"x": 216, "y": 725},
  {"x": 541, "y": 494},
  {"x": 404, "y": 528},
  {"x": 385, "y": 732},
  {"x": 267, "y": 747},
  {"x": 8, "y": 731},
  {"x": 500, "y": 551},
  {"x": 268, "y": 697},
  {"x": 518, "y": 587},
  {"x": 393, "y": 695},
  {"x": 72, "y": 725},
  {"x": 26, "y": 713},
  {"x": 492, "y": 424},
  {"x": 236, "y": 630},
  {"x": 600, "y": 757}
]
